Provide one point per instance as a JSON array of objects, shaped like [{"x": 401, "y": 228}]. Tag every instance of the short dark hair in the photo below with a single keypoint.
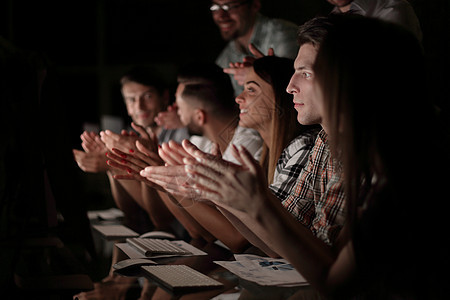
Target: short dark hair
[
  {"x": 212, "y": 98},
  {"x": 145, "y": 76},
  {"x": 314, "y": 31},
  {"x": 203, "y": 71},
  {"x": 208, "y": 84}
]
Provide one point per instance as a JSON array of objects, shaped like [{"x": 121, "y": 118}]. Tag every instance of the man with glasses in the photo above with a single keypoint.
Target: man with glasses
[{"x": 241, "y": 24}]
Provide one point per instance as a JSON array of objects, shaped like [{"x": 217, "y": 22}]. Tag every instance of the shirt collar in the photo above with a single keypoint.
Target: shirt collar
[{"x": 323, "y": 136}]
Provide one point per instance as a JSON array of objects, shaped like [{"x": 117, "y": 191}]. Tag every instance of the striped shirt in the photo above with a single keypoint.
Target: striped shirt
[
  {"x": 317, "y": 199},
  {"x": 291, "y": 162}
]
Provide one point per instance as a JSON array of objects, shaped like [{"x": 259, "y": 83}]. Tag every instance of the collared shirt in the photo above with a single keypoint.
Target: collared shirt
[
  {"x": 177, "y": 135},
  {"x": 281, "y": 35},
  {"x": 397, "y": 11},
  {"x": 291, "y": 162},
  {"x": 318, "y": 199},
  {"x": 246, "y": 137}
]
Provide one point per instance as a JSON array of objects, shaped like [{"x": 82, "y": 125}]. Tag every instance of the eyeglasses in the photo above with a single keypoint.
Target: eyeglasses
[{"x": 229, "y": 6}]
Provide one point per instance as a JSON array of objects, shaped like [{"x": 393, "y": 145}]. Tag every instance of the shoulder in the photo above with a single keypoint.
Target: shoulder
[
  {"x": 305, "y": 140},
  {"x": 177, "y": 135},
  {"x": 243, "y": 131},
  {"x": 298, "y": 150},
  {"x": 277, "y": 23},
  {"x": 279, "y": 34},
  {"x": 201, "y": 142},
  {"x": 248, "y": 138},
  {"x": 228, "y": 53},
  {"x": 244, "y": 136}
]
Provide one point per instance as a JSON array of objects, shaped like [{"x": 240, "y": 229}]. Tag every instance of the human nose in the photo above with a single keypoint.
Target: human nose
[
  {"x": 220, "y": 13},
  {"x": 140, "y": 101},
  {"x": 291, "y": 88},
  {"x": 240, "y": 98}
]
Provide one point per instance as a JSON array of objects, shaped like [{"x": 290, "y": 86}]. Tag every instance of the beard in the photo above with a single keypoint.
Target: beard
[
  {"x": 229, "y": 36},
  {"x": 194, "y": 129}
]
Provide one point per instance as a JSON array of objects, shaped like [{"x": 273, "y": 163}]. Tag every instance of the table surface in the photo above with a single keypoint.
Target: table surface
[{"x": 243, "y": 289}]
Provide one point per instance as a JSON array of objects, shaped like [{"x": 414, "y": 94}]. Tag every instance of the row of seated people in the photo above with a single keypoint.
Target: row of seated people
[
  {"x": 322, "y": 181},
  {"x": 295, "y": 168}
]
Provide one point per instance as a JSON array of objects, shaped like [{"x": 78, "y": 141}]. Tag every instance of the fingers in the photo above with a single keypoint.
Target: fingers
[
  {"x": 136, "y": 159},
  {"x": 141, "y": 130},
  {"x": 169, "y": 119},
  {"x": 163, "y": 171},
  {"x": 231, "y": 71},
  {"x": 204, "y": 176},
  {"x": 89, "y": 142},
  {"x": 172, "y": 186},
  {"x": 150, "y": 157},
  {"x": 248, "y": 161},
  {"x": 216, "y": 163},
  {"x": 193, "y": 151},
  {"x": 171, "y": 178},
  {"x": 178, "y": 149},
  {"x": 255, "y": 51},
  {"x": 236, "y": 155},
  {"x": 215, "y": 150},
  {"x": 122, "y": 142},
  {"x": 116, "y": 163},
  {"x": 77, "y": 153},
  {"x": 170, "y": 153},
  {"x": 108, "y": 134},
  {"x": 87, "y": 136},
  {"x": 99, "y": 145}
]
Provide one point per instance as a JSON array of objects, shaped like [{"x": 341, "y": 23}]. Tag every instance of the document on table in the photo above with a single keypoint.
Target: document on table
[
  {"x": 133, "y": 253},
  {"x": 264, "y": 270},
  {"x": 114, "y": 232},
  {"x": 106, "y": 214}
]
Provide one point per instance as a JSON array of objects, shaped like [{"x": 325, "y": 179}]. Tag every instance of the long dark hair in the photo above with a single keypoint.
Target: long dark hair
[
  {"x": 277, "y": 71},
  {"x": 383, "y": 129},
  {"x": 373, "y": 83}
]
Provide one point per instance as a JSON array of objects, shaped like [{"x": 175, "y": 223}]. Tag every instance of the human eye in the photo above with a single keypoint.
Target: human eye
[
  {"x": 250, "y": 89},
  {"x": 306, "y": 75},
  {"x": 129, "y": 99},
  {"x": 148, "y": 96}
]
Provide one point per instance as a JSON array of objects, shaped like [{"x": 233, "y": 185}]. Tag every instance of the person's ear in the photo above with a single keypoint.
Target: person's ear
[{"x": 200, "y": 117}]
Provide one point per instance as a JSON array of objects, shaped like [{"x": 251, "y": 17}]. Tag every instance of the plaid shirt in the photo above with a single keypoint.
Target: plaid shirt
[
  {"x": 317, "y": 200},
  {"x": 291, "y": 162}
]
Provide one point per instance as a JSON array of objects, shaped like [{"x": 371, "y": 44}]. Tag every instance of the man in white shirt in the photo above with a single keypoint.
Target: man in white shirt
[{"x": 206, "y": 106}]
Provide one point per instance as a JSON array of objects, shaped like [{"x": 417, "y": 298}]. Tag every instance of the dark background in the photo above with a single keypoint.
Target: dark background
[{"x": 88, "y": 44}]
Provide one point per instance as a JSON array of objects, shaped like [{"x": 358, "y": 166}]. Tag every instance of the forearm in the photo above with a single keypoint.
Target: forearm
[
  {"x": 195, "y": 230},
  {"x": 159, "y": 214},
  {"x": 217, "y": 224},
  {"x": 309, "y": 255},
  {"x": 123, "y": 200},
  {"x": 249, "y": 229},
  {"x": 125, "y": 190}
]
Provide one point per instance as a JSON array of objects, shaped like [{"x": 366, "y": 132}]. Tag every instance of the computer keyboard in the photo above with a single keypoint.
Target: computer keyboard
[
  {"x": 180, "y": 278},
  {"x": 149, "y": 247}
]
